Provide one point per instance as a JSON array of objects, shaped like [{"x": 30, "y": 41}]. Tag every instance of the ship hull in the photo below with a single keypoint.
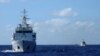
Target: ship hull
[
  {"x": 24, "y": 46},
  {"x": 29, "y": 46}
]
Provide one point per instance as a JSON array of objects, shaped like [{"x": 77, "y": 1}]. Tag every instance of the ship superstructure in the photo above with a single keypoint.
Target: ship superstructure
[{"x": 24, "y": 38}]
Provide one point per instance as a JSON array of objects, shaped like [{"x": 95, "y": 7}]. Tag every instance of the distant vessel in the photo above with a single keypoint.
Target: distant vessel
[
  {"x": 83, "y": 43},
  {"x": 24, "y": 38}
]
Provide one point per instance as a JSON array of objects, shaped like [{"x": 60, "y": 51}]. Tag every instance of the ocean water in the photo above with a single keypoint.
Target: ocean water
[{"x": 55, "y": 50}]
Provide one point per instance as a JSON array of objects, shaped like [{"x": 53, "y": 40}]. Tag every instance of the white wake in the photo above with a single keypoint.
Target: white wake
[{"x": 7, "y": 51}]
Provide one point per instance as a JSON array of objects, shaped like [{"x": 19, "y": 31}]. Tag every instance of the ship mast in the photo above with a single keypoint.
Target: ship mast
[{"x": 24, "y": 19}]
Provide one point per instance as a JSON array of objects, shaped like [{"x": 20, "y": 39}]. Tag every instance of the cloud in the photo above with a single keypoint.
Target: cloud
[
  {"x": 66, "y": 12},
  {"x": 59, "y": 24},
  {"x": 51, "y": 24},
  {"x": 84, "y": 24},
  {"x": 56, "y": 24},
  {"x": 62, "y": 29},
  {"x": 4, "y": 1}
]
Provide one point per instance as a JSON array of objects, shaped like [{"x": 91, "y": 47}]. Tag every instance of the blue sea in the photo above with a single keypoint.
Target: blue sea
[{"x": 55, "y": 50}]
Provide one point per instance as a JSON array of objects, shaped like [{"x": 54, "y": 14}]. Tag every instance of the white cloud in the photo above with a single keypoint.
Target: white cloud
[
  {"x": 60, "y": 25},
  {"x": 57, "y": 22},
  {"x": 66, "y": 12},
  {"x": 62, "y": 29},
  {"x": 4, "y": 1},
  {"x": 84, "y": 24},
  {"x": 52, "y": 25}
]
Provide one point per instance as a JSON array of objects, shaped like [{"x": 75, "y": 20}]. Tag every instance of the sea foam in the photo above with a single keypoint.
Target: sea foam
[{"x": 7, "y": 51}]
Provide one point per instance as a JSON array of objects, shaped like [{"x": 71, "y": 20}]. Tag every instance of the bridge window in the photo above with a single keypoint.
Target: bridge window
[{"x": 24, "y": 31}]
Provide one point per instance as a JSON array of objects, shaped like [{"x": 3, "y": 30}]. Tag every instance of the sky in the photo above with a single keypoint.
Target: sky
[{"x": 56, "y": 22}]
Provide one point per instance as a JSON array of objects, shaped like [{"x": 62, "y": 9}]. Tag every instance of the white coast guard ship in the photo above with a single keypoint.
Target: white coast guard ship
[{"x": 24, "y": 38}]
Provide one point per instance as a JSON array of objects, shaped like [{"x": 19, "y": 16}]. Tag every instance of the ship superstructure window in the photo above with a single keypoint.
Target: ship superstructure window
[{"x": 24, "y": 31}]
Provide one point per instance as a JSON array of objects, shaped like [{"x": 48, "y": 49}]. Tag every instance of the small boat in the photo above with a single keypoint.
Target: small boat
[{"x": 83, "y": 43}]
